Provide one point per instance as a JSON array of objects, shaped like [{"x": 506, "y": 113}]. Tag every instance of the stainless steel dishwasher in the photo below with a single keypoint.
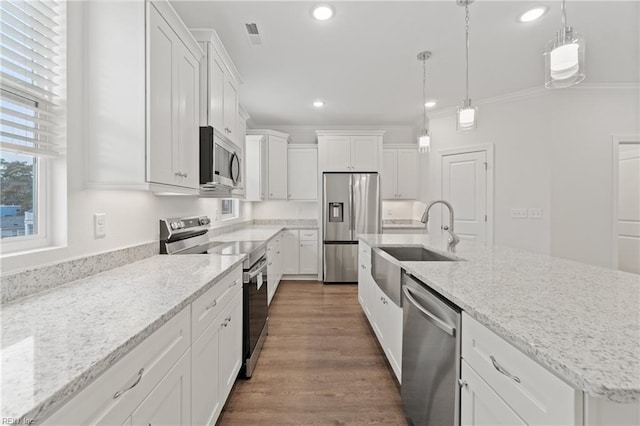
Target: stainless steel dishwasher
[{"x": 430, "y": 356}]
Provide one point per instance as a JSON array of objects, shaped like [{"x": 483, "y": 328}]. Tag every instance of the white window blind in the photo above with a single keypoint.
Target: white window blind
[{"x": 29, "y": 76}]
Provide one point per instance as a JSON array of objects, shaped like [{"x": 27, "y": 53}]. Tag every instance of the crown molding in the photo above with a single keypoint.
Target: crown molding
[{"x": 539, "y": 91}]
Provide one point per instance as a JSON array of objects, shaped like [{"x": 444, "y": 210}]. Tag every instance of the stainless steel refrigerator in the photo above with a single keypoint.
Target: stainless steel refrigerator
[{"x": 351, "y": 206}]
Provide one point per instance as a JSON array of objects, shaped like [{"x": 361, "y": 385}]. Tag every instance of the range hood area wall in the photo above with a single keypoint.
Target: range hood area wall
[{"x": 553, "y": 150}]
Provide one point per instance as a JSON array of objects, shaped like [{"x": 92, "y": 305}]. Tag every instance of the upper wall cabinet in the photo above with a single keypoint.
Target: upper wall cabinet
[
  {"x": 268, "y": 180},
  {"x": 350, "y": 150},
  {"x": 302, "y": 172},
  {"x": 142, "y": 90},
  {"x": 219, "y": 82},
  {"x": 400, "y": 174}
]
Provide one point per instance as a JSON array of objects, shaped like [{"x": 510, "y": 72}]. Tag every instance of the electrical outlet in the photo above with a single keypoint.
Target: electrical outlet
[
  {"x": 100, "y": 225},
  {"x": 535, "y": 213},
  {"x": 518, "y": 213}
]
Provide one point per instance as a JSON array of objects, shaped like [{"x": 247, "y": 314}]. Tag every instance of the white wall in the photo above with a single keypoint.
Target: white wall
[
  {"x": 132, "y": 216},
  {"x": 307, "y": 134},
  {"x": 552, "y": 151},
  {"x": 285, "y": 210}
]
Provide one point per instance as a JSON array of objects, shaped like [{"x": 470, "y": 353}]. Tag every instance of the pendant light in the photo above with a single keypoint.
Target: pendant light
[
  {"x": 424, "y": 140},
  {"x": 564, "y": 56},
  {"x": 467, "y": 117}
]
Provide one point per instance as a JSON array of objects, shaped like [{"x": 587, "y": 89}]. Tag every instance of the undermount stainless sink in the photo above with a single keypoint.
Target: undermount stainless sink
[
  {"x": 416, "y": 254},
  {"x": 386, "y": 270}
]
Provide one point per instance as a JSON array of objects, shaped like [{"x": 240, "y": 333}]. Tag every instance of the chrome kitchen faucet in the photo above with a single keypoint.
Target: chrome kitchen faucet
[{"x": 454, "y": 239}]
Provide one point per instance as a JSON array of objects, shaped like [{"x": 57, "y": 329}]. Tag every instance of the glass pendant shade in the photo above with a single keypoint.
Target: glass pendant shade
[
  {"x": 467, "y": 117},
  {"x": 564, "y": 60},
  {"x": 424, "y": 142}
]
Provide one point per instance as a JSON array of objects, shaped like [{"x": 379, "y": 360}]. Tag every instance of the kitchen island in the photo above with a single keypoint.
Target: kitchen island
[{"x": 580, "y": 322}]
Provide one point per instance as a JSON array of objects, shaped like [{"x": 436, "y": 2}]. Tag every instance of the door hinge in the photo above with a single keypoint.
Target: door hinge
[{"x": 486, "y": 165}]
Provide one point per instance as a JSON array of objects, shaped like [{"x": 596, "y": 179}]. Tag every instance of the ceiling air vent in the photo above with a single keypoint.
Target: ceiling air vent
[{"x": 253, "y": 34}]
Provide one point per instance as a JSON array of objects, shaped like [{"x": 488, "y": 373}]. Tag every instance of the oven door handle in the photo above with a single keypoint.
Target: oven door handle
[{"x": 251, "y": 275}]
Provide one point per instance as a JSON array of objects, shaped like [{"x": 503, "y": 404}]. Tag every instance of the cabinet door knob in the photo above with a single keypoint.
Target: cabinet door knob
[{"x": 462, "y": 383}]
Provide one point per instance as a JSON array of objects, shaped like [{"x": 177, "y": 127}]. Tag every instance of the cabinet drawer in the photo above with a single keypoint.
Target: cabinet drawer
[
  {"x": 209, "y": 305},
  {"x": 364, "y": 249},
  {"x": 535, "y": 394},
  {"x": 114, "y": 395},
  {"x": 308, "y": 235}
]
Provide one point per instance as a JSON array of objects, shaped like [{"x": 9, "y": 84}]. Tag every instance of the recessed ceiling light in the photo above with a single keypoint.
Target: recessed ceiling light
[
  {"x": 533, "y": 14},
  {"x": 430, "y": 104},
  {"x": 318, "y": 103},
  {"x": 322, "y": 12}
]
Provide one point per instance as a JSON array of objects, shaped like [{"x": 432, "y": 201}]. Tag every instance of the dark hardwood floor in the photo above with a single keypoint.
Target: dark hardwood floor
[{"x": 320, "y": 365}]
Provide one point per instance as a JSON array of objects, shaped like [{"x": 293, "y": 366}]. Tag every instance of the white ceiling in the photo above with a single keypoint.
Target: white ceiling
[{"x": 363, "y": 64}]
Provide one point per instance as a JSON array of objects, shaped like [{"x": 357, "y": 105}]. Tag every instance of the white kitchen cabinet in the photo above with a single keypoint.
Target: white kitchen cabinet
[
  {"x": 217, "y": 351},
  {"x": 400, "y": 173},
  {"x": 480, "y": 405},
  {"x": 350, "y": 150},
  {"x": 277, "y": 167},
  {"x": 172, "y": 377},
  {"x": 142, "y": 84},
  {"x": 169, "y": 403},
  {"x": 275, "y": 264},
  {"x": 302, "y": 172},
  {"x": 114, "y": 396},
  {"x": 291, "y": 252},
  {"x": 255, "y": 156},
  {"x": 533, "y": 393},
  {"x": 230, "y": 345},
  {"x": 271, "y": 175},
  {"x": 173, "y": 117},
  {"x": 219, "y": 81},
  {"x": 300, "y": 252},
  {"x": 384, "y": 316}
]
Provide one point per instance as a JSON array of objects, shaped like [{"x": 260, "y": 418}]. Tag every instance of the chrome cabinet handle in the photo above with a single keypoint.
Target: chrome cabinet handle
[
  {"x": 363, "y": 267},
  {"x": 503, "y": 371},
  {"x": 233, "y": 283},
  {"x": 462, "y": 383},
  {"x": 211, "y": 305},
  {"x": 133, "y": 385}
]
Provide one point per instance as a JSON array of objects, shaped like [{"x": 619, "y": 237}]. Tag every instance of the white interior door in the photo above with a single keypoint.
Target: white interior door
[
  {"x": 629, "y": 208},
  {"x": 464, "y": 185}
]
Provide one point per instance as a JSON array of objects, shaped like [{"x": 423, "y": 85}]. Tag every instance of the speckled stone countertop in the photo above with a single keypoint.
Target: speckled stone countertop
[
  {"x": 56, "y": 342},
  {"x": 581, "y": 322}
]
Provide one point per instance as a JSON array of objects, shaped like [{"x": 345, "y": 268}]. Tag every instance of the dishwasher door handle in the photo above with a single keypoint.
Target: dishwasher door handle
[{"x": 428, "y": 315}]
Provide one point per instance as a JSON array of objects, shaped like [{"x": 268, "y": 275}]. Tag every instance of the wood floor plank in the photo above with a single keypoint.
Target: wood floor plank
[{"x": 320, "y": 365}]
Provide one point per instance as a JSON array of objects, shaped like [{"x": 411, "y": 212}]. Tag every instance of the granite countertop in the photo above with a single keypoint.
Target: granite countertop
[
  {"x": 581, "y": 322},
  {"x": 56, "y": 342}
]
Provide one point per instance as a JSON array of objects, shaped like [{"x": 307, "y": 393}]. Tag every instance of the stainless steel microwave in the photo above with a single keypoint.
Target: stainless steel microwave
[{"x": 220, "y": 163}]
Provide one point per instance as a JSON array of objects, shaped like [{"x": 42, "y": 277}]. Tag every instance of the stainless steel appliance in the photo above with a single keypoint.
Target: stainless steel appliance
[
  {"x": 190, "y": 236},
  {"x": 220, "y": 164},
  {"x": 351, "y": 206},
  {"x": 430, "y": 356}
]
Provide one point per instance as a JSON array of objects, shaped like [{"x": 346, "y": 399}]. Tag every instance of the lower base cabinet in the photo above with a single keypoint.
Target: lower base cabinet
[
  {"x": 480, "y": 405},
  {"x": 300, "y": 250},
  {"x": 384, "y": 316},
  {"x": 168, "y": 403},
  {"x": 173, "y": 377}
]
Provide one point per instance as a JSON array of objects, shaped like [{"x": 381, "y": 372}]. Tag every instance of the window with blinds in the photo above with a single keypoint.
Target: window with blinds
[{"x": 30, "y": 78}]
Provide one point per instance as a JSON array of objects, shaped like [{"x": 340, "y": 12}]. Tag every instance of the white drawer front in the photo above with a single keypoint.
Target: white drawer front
[
  {"x": 134, "y": 376},
  {"x": 209, "y": 305},
  {"x": 308, "y": 235},
  {"x": 535, "y": 394},
  {"x": 364, "y": 249}
]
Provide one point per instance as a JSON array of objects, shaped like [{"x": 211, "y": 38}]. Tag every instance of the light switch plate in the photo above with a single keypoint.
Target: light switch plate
[
  {"x": 100, "y": 225},
  {"x": 518, "y": 213},
  {"x": 535, "y": 213}
]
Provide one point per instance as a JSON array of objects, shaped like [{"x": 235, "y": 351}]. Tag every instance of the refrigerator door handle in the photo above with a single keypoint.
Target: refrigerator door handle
[{"x": 352, "y": 219}]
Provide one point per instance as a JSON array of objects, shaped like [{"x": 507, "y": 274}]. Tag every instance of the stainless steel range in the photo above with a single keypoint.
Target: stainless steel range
[{"x": 190, "y": 236}]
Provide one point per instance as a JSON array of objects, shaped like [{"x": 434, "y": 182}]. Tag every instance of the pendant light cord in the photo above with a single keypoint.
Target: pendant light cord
[
  {"x": 424, "y": 93},
  {"x": 466, "y": 8}
]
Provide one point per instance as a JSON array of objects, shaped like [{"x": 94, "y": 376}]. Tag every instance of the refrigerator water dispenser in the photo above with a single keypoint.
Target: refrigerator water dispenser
[{"x": 336, "y": 212}]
